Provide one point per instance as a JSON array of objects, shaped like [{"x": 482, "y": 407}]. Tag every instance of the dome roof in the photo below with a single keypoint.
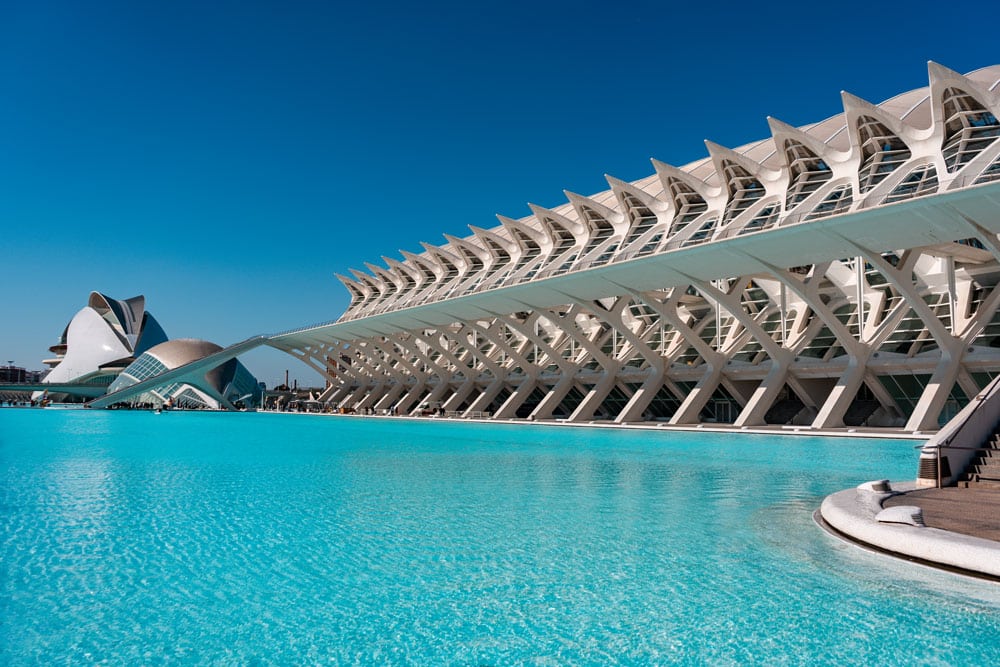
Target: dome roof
[{"x": 180, "y": 351}]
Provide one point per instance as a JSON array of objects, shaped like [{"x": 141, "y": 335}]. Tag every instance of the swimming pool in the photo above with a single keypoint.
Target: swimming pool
[{"x": 130, "y": 537}]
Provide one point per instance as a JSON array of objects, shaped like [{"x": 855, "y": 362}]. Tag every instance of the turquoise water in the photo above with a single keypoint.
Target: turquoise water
[{"x": 204, "y": 538}]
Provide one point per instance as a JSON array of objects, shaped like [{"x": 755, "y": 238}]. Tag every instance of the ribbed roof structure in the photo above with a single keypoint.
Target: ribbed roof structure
[{"x": 935, "y": 135}]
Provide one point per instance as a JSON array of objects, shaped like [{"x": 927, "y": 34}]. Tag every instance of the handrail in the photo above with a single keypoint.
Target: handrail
[
  {"x": 967, "y": 449},
  {"x": 968, "y": 418},
  {"x": 943, "y": 446},
  {"x": 980, "y": 398}
]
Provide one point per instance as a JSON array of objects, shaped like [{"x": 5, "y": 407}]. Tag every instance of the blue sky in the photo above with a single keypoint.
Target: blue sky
[{"x": 226, "y": 159}]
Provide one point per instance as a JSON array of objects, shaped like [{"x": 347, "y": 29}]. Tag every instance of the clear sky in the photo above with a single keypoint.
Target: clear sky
[{"x": 227, "y": 158}]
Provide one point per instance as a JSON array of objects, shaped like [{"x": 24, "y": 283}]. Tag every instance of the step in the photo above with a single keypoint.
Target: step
[{"x": 982, "y": 484}]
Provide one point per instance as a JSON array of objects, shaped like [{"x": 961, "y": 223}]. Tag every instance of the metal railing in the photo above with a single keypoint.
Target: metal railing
[
  {"x": 960, "y": 428},
  {"x": 980, "y": 398},
  {"x": 938, "y": 449}
]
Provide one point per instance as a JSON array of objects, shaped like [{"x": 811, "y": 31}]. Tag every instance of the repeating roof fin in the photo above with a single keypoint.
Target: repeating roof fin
[
  {"x": 937, "y": 73},
  {"x": 781, "y": 131},
  {"x": 548, "y": 216},
  {"x": 354, "y": 287},
  {"x": 517, "y": 229},
  {"x": 856, "y": 107},
  {"x": 374, "y": 284},
  {"x": 943, "y": 79},
  {"x": 422, "y": 263},
  {"x": 620, "y": 187},
  {"x": 668, "y": 171},
  {"x": 722, "y": 154},
  {"x": 581, "y": 204},
  {"x": 359, "y": 276},
  {"x": 384, "y": 274},
  {"x": 473, "y": 256},
  {"x": 488, "y": 238},
  {"x": 442, "y": 256},
  {"x": 504, "y": 220},
  {"x": 400, "y": 268},
  {"x": 344, "y": 279},
  {"x": 464, "y": 245}
]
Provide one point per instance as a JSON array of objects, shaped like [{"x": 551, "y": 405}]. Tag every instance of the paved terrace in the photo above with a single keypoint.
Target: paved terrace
[{"x": 974, "y": 512}]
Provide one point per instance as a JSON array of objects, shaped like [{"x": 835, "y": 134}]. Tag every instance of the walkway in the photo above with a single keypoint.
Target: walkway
[{"x": 974, "y": 512}]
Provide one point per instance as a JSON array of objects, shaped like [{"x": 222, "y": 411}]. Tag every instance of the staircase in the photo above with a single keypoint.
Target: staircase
[{"x": 984, "y": 470}]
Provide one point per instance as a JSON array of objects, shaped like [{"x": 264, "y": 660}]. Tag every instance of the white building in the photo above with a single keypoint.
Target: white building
[
  {"x": 840, "y": 273},
  {"x": 102, "y": 338}
]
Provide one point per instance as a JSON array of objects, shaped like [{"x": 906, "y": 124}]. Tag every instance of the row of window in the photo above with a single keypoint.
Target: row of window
[{"x": 969, "y": 130}]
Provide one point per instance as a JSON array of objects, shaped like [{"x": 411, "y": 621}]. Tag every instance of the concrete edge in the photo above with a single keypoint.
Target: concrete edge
[
  {"x": 851, "y": 513},
  {"x": 662, "y": 427}
]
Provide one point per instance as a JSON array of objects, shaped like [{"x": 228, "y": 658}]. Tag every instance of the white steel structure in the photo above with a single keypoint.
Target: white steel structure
[{"x": 841, "y": 273}]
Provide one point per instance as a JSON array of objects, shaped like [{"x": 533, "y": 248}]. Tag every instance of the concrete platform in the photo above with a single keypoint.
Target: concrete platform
[
  {"x": 974, "y": 512},
  {"x": 954, "y": 529}
]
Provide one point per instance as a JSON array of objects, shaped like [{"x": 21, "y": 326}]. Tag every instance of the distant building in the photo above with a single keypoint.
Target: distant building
[
  {"x": 101, "y": 340},
  {"x": 35, "y": 376},
  {"x": 16, "y": 374},
  {"x": 224, "y": 386},
  {"x": 12, "y": 374}
]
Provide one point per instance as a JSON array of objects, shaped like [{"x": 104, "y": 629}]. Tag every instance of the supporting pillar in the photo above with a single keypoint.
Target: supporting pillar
[
  {"x": 832, "y": 411},
  {"x": 698, "y": 397},
  {"x": 642, "y": 397},
  {"x": 938, "y": 389},
  {"x": 485, "y": 399},
  {"x": 594, "y": 398},
  {"x": 509, "y": 408},
  {"x": 553, "y": 398},
  {"x": 459, "y": 395}
]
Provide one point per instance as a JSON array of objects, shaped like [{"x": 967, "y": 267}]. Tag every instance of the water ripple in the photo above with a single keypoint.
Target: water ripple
[{"x": 267, "y": 539}]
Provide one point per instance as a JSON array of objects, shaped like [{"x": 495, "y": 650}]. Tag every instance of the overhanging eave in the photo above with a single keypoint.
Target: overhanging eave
[{"x": 925, "y": 221}]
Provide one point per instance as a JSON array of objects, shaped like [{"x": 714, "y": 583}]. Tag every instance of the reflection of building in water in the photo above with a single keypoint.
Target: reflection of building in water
[
  {"x": 220, "y": 387},
  {"x": 840, "y": 273}
]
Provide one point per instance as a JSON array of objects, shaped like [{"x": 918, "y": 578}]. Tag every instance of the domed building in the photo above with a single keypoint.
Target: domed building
[
  {"x": 101, "y": 340},
  {"x": 221, "y": 386}
]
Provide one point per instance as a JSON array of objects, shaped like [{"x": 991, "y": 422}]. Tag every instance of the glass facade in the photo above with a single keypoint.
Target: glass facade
[{"x": 241, "y": 386}]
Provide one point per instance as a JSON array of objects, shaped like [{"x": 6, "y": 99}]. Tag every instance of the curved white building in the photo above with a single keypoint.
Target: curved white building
[
  {"x": 103, "y": 338},
  {"x": 218, "y": 387},
  {"x": 839, "y": 273}
]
